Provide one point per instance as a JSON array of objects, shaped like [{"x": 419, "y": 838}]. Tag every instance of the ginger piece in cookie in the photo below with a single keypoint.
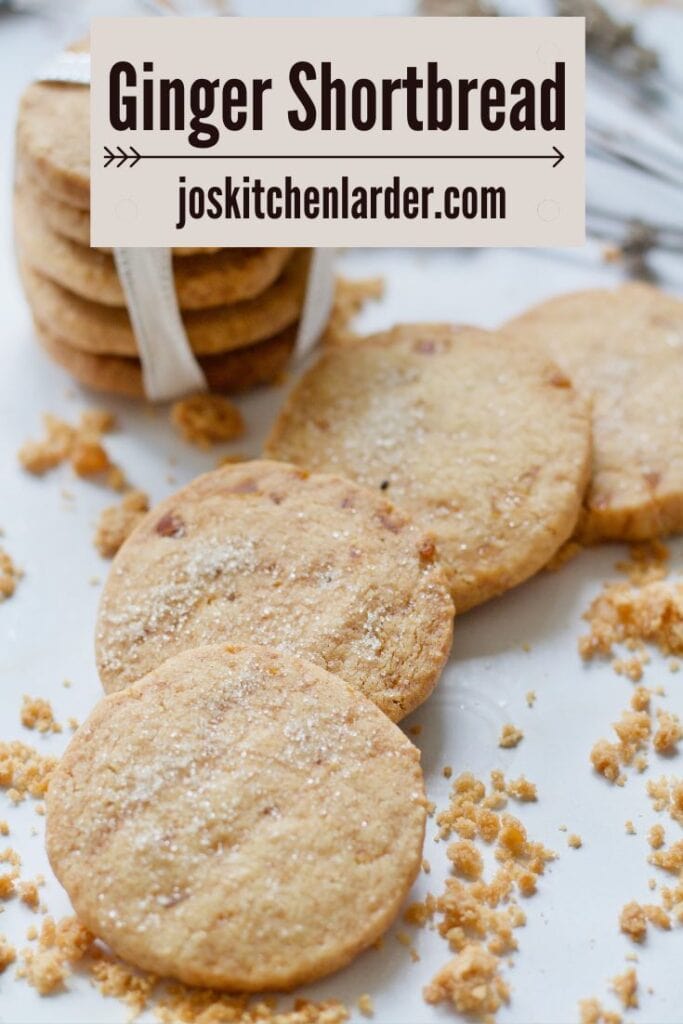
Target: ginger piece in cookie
[
  {"x": 207, "y": 419},
  {"x": 117, "y": 522}
]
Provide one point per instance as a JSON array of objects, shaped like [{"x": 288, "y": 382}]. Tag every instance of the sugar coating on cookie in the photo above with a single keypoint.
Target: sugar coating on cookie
[
  {"x": 239, "y": 819},
  {"x": 485, "y": 443},
  {"x": 623, "y": 349},
  {"x": 311, "y": 564}
]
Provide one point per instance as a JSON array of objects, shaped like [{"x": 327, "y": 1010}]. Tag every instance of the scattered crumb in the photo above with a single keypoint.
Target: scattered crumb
[
  {"x": 652, "y": 613},
  {"x": 591, "y": 1012},
  {"x": 349, "y": 299},
  {"x": 668, "y": 733},
  {"x": 666, "y": 794},
  {"x": 478, "y": 916},
  {"x": 670, "y": 859},
  {"x": 207, "y": 419},
  {"x": 605, "y": 760},
  {"x": 426, "y": 866},
  {"x": 117, "y": 522},
  {"x": 465, "y": 858},
  {"x": 522, "y": 789},
  {"x": 634, "y": 919},
  {"x": 36, "y": 713},
  {"x": 89, "y": 457},
  {"x": 510, "y": 736},
  {"x": 531, "y": 698},
  {"x": 28, "y": 893},
  {"x": 575, "y": 841},
  {"x": 626, "y": 987},
  {"x": 81, "y": 446},
  {"x": 419, "y": 914},
  {"x": 646, "y": 563},
  {"x": 365, "y": 1005},
  {"x": 471, "y": 982},
  {"x": 447, "y": 771},
  {"x": 9, "y": 575},
  {"x": 630, "y": 828},
  {"x": 8, "y": 954},
  {"x": 415, "y": 730},
  {"x": 23, "y": 771},
  {"x": 4, "y": 828}
]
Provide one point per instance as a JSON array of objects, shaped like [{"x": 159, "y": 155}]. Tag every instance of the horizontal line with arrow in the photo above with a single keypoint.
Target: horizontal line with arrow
[{"x": 120, "y": 156}]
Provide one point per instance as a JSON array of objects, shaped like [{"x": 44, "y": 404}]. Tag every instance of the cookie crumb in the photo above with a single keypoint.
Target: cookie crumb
[
  {"x": 28, "y": 894},
  {"x": 668, "y": 733},
  {"x": 470, "y": 982},
  {"x": 605, "y": 760},
  {"x": 575, "y": 841},
  {"x": 23, "y": 771},
  {"x": 365, "y": 1005},
  {"x": 630, "y": 828},
  {"x": 633, "y": 921},
  {"x": 9, "y": 575},
  {"x": 81, "y": 446},
  {"x": 621, "y": 614},
  {"x": 206, "y": 419},
  {"x": 647, "y": 562},
  {"x": 8, "y": 954},
  {"x": 530, "y": 698},
  {"x": 510, "y": 736},
  {"x": 522, "y": 789},
  {"x": 349, "y": 298},
  {"x": 117, "y": 522},
  {"x": 37, "y": 713},
  {"x": 465, "y": 858}
]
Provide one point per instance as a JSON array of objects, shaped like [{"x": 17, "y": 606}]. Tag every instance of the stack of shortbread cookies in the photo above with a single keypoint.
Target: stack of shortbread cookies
[{"x": 240, "y": 306}]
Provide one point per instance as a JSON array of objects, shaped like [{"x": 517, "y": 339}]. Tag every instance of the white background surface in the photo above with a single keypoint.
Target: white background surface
[{"x": 571, "y": 945}]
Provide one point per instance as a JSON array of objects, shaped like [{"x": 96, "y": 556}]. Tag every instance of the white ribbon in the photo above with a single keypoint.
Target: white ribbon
[{"x": 169, "y": 366}]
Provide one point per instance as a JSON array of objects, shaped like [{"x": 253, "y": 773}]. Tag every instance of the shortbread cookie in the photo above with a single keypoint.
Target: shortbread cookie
[
  {"x": 53, "y": 139},
  {"x": 239, "y": 370},
  {"x": 486, "y": 445},
  {"x": 623, "y": 349},
  {"x": 105, "y": 330},
  {"x": 231, "y": 275},
  {"x": 239, "y": 819},
  {"x": 73, "y": 223},
  {"x": 263, "y": 552}
]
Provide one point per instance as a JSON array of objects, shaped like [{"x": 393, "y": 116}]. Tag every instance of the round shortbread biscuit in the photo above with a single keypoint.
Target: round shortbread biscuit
[
  {"x": 239, "y": 819},
  {"x": 74, "y": 223},
  {"x": 53, "y": 139},
  {"x": 106, "y": 330},
  {"x": 487, "y": 446},
  {"x": 231, "y": 275},
  {"x": 263, "y": 552},
  {"x": 623, "y": 350},
  {"x": 239, "y": 370}
]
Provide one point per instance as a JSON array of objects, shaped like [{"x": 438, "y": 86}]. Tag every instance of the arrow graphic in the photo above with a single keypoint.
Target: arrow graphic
[
  {"x": 131, "y": 158},
  {"x": 123, "y": 157}
]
